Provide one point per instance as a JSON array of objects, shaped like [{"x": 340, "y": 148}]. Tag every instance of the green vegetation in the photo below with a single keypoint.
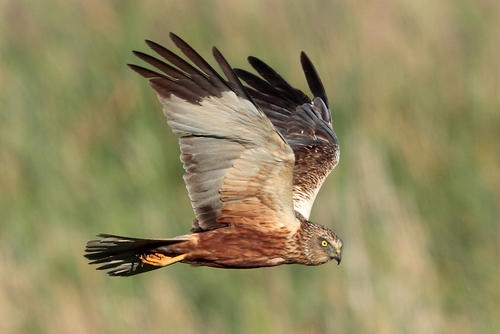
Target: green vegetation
[{"x": 84, "y": 148}]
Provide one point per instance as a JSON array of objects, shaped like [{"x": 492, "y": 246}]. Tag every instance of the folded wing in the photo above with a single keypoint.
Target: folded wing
[
  {"x": 238, "y": 167},
  {"x": 305, "y": 124}
]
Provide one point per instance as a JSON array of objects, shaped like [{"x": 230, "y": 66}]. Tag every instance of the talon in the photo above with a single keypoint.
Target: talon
[{"x": 161, "y": 260}]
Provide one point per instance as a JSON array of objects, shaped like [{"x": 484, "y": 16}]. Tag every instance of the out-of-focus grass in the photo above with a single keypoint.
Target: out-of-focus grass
[{"x": 415, "y": 94}]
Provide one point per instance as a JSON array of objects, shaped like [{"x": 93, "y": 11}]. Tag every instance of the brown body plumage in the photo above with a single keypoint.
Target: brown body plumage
[{"x": 255, "y": 159}]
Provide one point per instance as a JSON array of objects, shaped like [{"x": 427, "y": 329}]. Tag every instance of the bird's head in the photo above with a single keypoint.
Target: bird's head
[{"x": 322, "y": 245}]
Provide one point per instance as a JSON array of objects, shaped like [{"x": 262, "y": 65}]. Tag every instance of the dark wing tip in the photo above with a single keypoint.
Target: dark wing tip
[
  {"x": 266, "y": 71},
  {"x": 144, "y": 71},
  {"x": 179, "y": 42},
  {"x": 295, "y": 96},
  {"x": 313, "y": 79},
  {"x": 151, "y": 44},
  {"x": 174, "y": 37},
  {"x": 231, "y": 76}
]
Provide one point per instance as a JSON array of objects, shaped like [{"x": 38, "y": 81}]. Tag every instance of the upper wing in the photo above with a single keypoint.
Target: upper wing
[
  {"x": 238, "y": 167},
  {"x": 305, "y": 124}
]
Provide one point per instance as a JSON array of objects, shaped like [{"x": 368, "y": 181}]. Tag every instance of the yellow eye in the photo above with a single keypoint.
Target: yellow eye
[{"x": 324, "y": 243}]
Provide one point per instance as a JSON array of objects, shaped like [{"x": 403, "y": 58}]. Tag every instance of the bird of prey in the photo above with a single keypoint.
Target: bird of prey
[{"x": 255, "y": 157}]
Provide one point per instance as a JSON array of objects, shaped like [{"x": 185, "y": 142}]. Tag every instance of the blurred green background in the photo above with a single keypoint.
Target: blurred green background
[{"x": 414, "y": 88}]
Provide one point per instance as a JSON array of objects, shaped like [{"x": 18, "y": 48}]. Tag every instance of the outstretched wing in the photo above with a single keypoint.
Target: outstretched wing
[
  {"x": 238, "y": 167},
  {"x": 305, "y": 124}
]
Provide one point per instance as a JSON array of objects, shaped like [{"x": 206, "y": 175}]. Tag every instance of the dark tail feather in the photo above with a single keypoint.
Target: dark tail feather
[{"x": 122, "y": 254}]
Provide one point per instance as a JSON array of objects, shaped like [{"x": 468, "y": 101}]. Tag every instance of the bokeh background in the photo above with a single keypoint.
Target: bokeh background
[{"x": 414, "y": 88}]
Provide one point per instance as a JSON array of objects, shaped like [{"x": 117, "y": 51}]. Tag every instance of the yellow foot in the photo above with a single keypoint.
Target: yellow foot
[{"x": 161, "y": 260}]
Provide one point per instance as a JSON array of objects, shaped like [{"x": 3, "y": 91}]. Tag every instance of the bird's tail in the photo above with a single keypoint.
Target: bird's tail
[{"x": 131, "y": 256}]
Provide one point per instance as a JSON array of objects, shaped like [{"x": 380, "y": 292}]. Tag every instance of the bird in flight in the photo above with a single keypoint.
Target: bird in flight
[{"x": 255, "y": 158}]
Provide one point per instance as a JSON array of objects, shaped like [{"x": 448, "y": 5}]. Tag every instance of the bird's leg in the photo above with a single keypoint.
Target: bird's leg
[{"x": 161, "y": 260}]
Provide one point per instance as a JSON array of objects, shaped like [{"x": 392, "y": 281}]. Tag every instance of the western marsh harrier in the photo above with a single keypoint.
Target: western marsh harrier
[{"x": 255, "y": 158}]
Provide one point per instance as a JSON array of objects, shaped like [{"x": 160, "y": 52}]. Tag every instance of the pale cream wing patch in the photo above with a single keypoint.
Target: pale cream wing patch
[
  {"x": 238, "y": 168},
  {"x": 258, "y": 188}
]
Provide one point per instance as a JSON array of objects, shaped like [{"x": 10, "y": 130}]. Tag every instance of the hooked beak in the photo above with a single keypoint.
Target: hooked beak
[{"x": 337, "y": 256}]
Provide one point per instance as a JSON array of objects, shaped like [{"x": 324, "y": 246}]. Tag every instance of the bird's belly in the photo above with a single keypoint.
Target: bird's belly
[{"x": 252, "y": 250}]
